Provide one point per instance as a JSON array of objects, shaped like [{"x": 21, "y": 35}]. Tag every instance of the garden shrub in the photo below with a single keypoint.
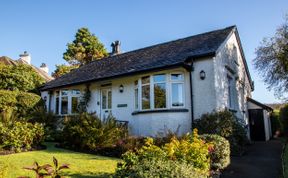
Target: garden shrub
[
  {"x": 220, "y": 155},
  {"x": 224, "y": 123},
  {"x": 284, "y": 118},
  {"x": 21, "y": 103},
  {"x": 276, "y": 123},
  {"x": 20, "y": 136},
  {"x": 190, "y": 150},
  {"x": 158, "y": 168},
  {"x": 87, "y": 131}
]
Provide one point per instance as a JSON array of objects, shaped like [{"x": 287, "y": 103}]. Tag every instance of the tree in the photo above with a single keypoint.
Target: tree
[
  {"x": 20, "y": 77},
  {"x": 85, "y": 48},
  {"x": 63, "y": 69},
  {"x": 272, "y": 60}
]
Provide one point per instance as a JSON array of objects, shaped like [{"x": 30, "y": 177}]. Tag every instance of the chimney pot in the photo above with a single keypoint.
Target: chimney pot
[
  {"x": 25, "y": 57},
  {"x": 44, "y": 68},
  {"x": 116, "y": 47}
]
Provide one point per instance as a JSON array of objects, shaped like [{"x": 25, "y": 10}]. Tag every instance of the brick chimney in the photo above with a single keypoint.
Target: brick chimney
[
  {"x": 26, "y": 57},
  {"x": 116, "y": 48},
  {"x": 44, "y": 67}
]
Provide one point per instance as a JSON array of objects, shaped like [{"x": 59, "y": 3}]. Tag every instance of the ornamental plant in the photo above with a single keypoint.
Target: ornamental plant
[{"x": 190, "y": 151}]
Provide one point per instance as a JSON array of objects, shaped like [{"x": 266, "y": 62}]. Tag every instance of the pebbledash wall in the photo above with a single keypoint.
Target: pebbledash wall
[{"x": 208, "y": 94}]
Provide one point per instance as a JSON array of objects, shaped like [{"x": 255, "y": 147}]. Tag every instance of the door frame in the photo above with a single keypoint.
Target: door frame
[{"x": 106, "y": 110}]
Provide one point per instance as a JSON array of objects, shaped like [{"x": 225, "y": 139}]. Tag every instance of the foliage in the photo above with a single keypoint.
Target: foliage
[
  {"x": 220, "y": 123},
  {"x": 20, "y": 135},
  {"x": 52, "y": 171},
  {"x": 271, "y": 60},
  {"x": 85, "y": 48},
  {"x": 63, "y": 69},
  {"x": 190, "y": 150},
  {"x": 81, "y": 164},
  {"x": 220, "y": 155},
  {"x": 284, "y": 158},
  {"x": 158, "y": 168},
  {"x": 223, "y": 123},
  {"x": 20, "y": 77},
  {"x": 276, "y": 122},
  {"x": 87, "y": 131},
  {"x": 85, "y": 99},
  {"x": 18, "y": 102},
  {"x": 49, "y": 121},
  {"x": 284, "y": 117}
]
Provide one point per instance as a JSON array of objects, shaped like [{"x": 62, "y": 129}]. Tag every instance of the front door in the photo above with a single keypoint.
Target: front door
[
  {"x": 106, "y": 102},
  {"x": 256, "y": 124}
]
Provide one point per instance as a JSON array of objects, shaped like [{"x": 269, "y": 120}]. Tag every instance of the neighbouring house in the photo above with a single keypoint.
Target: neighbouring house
[
  {"x": 25, "y": 58},
  {"x": 161, "y": 87}
]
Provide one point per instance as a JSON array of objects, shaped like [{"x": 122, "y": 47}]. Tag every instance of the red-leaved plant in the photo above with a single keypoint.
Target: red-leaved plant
[{"x": 47, "y": 169}]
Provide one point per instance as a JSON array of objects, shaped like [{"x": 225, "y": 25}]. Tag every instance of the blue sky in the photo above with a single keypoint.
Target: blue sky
[{"x": 43, "y": 28}]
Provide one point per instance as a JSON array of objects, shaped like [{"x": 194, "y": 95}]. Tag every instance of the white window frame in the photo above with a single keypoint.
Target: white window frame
[
  {"x": 69, "y": 96},
  {"x": 168, "y": 86},
  {"x": 166, "y": 91},
  {"x": 183, "y": 88}
]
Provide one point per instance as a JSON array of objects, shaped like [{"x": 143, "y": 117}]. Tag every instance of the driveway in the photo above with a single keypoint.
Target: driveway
[{"x": 263, "y": 160}]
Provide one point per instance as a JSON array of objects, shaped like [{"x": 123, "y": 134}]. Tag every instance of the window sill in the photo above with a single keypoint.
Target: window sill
[
  {"x": 233, "y": 110},
  {"x": 159, "y": 111}
]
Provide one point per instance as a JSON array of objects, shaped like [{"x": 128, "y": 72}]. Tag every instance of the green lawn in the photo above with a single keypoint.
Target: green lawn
[{"x": 81, "y": 165}]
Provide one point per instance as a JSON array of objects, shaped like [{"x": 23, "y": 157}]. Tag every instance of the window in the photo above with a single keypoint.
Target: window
[
  {"x": 177, "y": 90},
  {"x": 106, "y": 99},
  {"x": 68, "y": 100},
  {"x": 64, "y": 102},
  {"x": 151, "y": 92},
  {"x": 57, "y": 103},
  {"x": 75, "y": 99},
  {"x": 159, "y": 91},
  {"x": 145, "y": 92},
  {"x": 230, "y": 91},
  {"x": 136, "y": 94}
]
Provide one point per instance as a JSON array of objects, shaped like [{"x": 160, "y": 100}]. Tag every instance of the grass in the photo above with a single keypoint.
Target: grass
[
  {"x": 81, "y": 164},
  {"x": 285, "y": 159}
]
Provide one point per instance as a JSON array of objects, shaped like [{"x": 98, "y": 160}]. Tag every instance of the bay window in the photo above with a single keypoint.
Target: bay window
[
  {"x": 145, "y": 92},
  {"x": 177, "y": 88},
  {"x": 159, "y": 91},
  {"x": 67, "y": 101},
  {"x": 153, "y": 91},
  {"x": 64, "y": 102}
]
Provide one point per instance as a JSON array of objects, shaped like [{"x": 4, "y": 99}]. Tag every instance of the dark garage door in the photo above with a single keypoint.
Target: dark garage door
[{"x": 256, "y": 123}]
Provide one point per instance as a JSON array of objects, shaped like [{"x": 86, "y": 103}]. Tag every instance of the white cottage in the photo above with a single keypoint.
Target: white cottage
[{"x": 165, "y": 86}]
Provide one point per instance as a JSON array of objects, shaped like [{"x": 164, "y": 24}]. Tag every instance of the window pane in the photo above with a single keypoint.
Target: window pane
[
  {"x": 64, "y": 92},
  {"x": 159, "y": 78},
  {"x": 104, "y": 99},
  {"x": 145, "y": 80},
  {"x": 75, "y": 92},
  {"x": 230, "y": 91},
  {"x": 160, "y": 95},
  {"x": 177, "y": 94},
  {"x": 136, "y": 98},
  {"x": 64, "y": 105},
  {"x": 57, "y": 106},
  {"x": 146, "y": 97},
  {"x": 109, "y": 99},
  {"x": 176, "y": 76},
  {"x": 75, "y": 105}
]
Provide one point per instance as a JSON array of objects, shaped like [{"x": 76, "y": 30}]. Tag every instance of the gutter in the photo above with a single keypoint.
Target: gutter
[{"x": 191, "y": 94}]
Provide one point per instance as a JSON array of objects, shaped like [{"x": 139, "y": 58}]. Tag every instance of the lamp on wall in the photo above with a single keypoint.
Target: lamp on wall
[
  {"x": 202, "y": 75},
  {"x": 121, "y": 88}
]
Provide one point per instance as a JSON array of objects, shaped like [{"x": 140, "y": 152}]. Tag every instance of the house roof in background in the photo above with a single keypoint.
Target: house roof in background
[
  {"x": 164, "y": 55},
  {"x": 8, "y": 61}
]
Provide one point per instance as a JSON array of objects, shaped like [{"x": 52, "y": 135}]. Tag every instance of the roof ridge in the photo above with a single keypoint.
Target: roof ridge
[{"x": 167, "y": 42}]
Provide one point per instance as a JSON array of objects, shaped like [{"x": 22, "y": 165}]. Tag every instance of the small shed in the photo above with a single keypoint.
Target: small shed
[{"x": 259, "y": 120}]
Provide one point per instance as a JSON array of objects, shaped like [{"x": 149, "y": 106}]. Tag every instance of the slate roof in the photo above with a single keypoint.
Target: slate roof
[
  {"x": 173, "y": 53},
  {"x": 260, "y": 104},
  {"x": 8, "y": 61}
]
